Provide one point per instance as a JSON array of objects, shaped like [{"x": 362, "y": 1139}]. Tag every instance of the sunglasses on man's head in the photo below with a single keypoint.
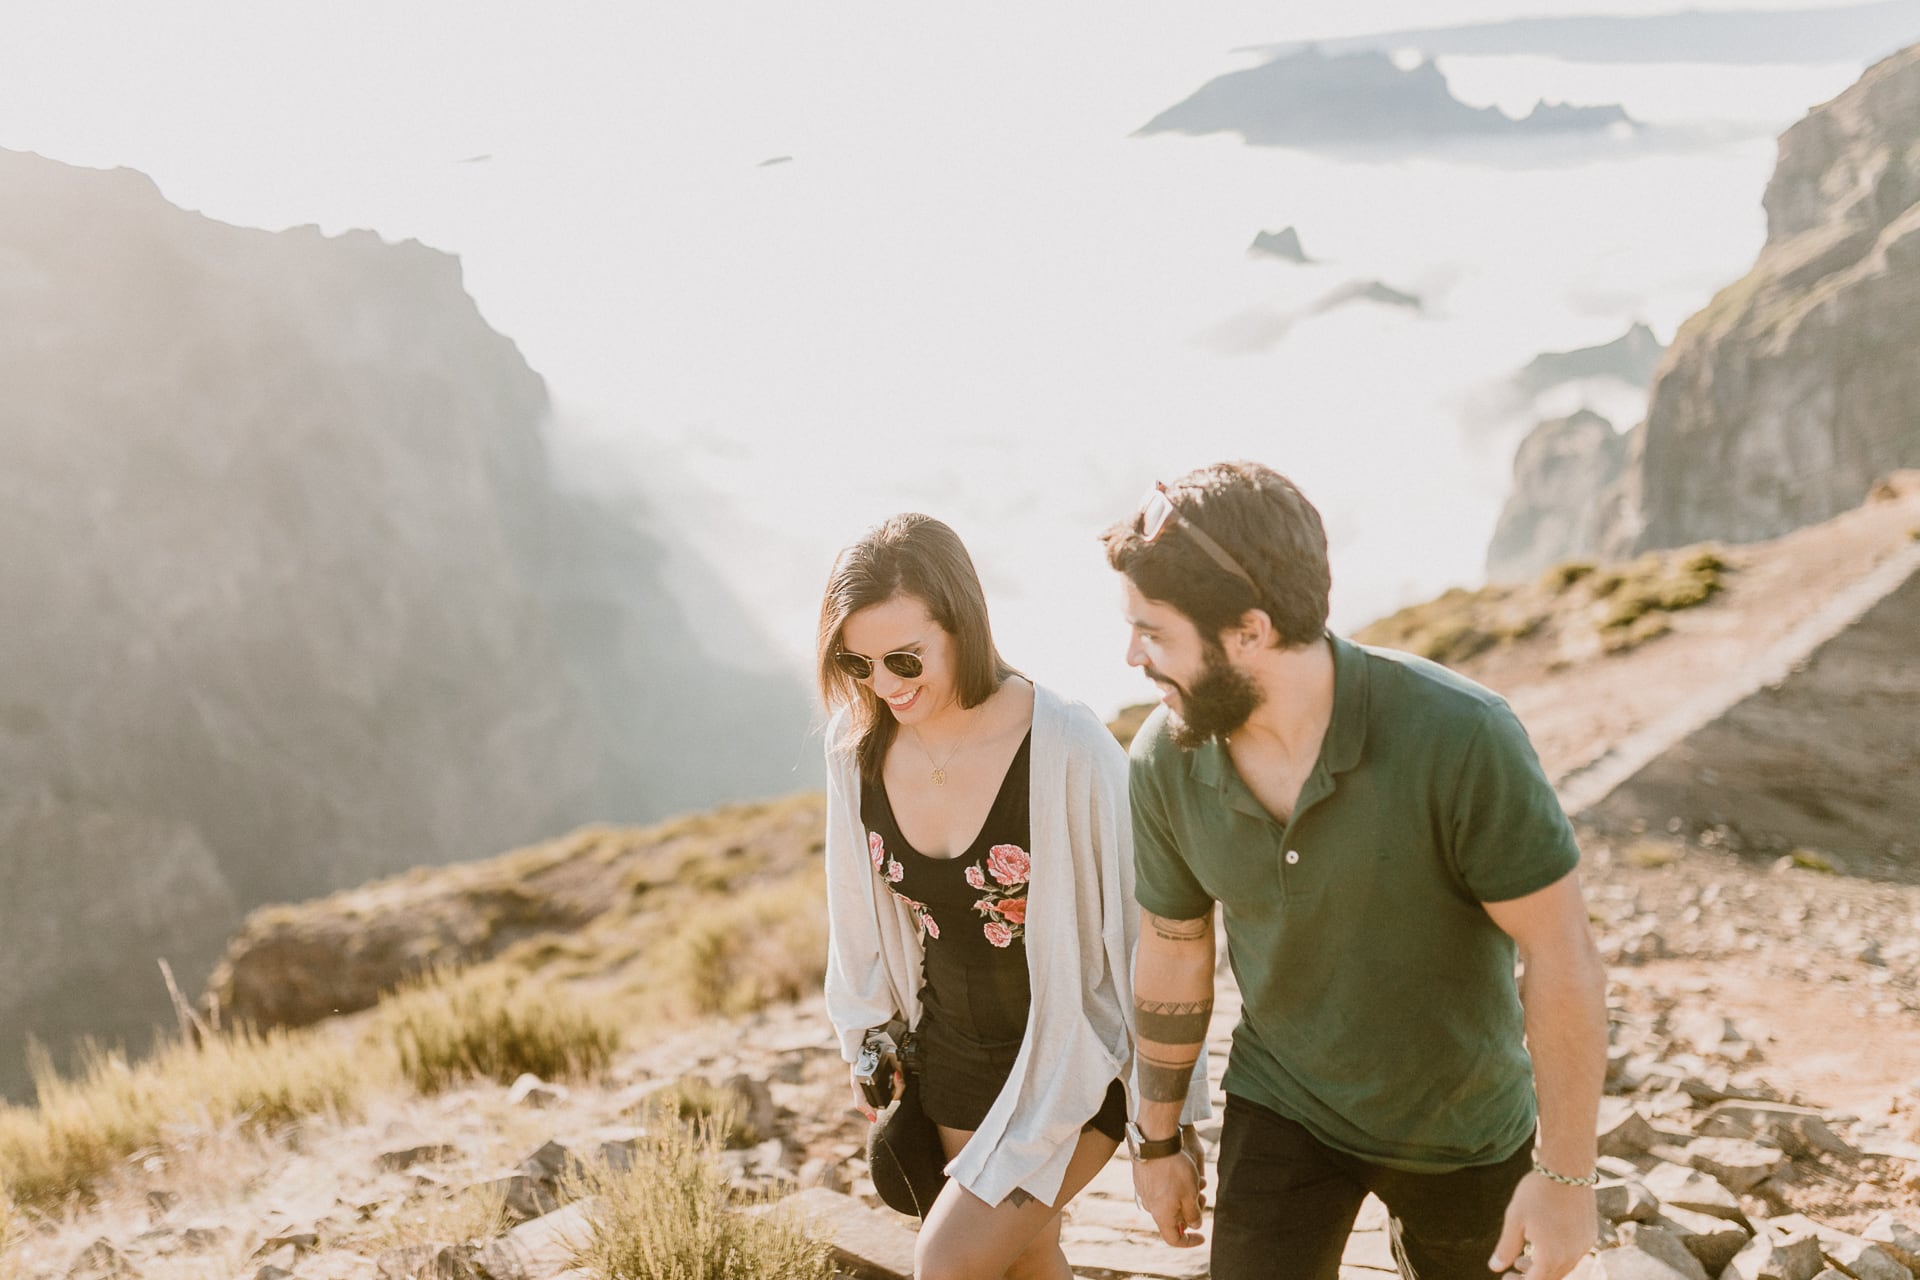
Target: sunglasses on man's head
[
  {"x": 1158, "y": 511},
  {"x": 902, "y": 663}
]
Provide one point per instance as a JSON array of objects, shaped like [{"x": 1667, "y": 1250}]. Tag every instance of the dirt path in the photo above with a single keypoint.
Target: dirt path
[{"x": 1831, "y": 1046}]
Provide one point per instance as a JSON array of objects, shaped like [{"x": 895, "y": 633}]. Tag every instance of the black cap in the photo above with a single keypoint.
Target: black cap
[{"x": 904, "y": 1155}]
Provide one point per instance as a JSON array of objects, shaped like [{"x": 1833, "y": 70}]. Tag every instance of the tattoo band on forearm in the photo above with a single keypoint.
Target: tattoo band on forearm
[
  {"x": 1181, "y": 930},
  {"x": 1164, "y": 1081},
  {"x": 1173, "y": 1021}
]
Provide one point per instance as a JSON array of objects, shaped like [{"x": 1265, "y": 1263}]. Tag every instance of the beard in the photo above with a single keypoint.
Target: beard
[{"x": 1217, "y": 703}]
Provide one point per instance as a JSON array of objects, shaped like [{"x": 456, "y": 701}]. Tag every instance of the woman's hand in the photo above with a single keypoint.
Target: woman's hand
[{"x": 860, "y": 1102}]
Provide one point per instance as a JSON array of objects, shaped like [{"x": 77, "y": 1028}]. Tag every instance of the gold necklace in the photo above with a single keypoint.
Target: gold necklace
[{"x": 940, "y": 766}]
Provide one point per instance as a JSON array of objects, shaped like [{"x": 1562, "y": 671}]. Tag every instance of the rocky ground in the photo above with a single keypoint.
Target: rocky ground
[{"x": 1764, "y": 1081}]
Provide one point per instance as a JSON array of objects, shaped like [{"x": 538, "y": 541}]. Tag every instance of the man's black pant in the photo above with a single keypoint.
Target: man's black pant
[{"x": 1287, "y": 1203}]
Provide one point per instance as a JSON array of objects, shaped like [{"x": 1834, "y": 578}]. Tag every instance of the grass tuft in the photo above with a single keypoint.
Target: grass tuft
[
  {"x": 737, "y": 954},
  {"x": 493, "y": 1023},
  {"x": 1649, "y": 626},
  {"x": 1654, "y": 583},
  {"x": 670, "y": 1217},
  {"x": 1562, "y": 576},
  {"x": 87, "y": 1126},
  {"x": 470, "y": 1216},
  {"x": 1813, "y": 860},
  {"x": 1649, "y": 855},
  {"x": 698, "y": 1101},
  {"x": 13, "y": 1230},
  {"x": 1451, "y": 628}
]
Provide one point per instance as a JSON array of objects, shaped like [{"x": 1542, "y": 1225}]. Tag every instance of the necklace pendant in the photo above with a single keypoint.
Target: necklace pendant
[{"x": 939, "y": 777}]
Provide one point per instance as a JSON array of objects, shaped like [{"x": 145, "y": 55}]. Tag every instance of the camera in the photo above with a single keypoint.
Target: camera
[{"x": 873, "y": 1069}]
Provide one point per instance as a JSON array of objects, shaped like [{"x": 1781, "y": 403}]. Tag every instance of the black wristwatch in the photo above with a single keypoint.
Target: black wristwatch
[{"x": 1141, "y": 1147}]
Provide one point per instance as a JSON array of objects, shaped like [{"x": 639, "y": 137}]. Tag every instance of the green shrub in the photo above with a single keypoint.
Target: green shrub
[
  {"x": 86, "y": 1126},
  {"x": 670, "y": 1217},
  {"x": 493, "y": 1023}
]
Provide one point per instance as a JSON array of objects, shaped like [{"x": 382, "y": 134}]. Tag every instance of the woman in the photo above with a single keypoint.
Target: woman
[{"x": 980, "y": 890}]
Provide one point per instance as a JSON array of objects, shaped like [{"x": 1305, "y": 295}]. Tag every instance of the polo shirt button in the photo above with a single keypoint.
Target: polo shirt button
[{"x": 1293, "y": 856}]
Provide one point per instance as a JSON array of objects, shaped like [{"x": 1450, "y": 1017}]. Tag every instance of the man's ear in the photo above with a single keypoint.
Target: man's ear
[{"x": 1253, "y": 632}]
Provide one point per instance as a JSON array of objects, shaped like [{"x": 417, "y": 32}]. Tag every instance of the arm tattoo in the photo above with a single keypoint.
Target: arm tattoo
[
  {"x": 1021, "y": 1199},
  {"x": 1162, "y": 1080},
  {"x": 1181, "y": 930},
  {"x": 1173, "y": 1021}
]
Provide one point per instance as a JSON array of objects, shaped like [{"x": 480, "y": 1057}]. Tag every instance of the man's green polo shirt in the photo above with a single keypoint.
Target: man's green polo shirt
[{"x": 1379, "y": 1006}]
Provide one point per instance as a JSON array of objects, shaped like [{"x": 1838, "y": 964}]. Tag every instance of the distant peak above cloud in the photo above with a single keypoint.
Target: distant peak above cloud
[
  {"x": 1630, "y": 358},
  {"x": 1863, "y": 32},
  {"x": 1308, "y": 98},
  {"x": 1284, "y": 245},
  {"x": 1369, "y": 291}
]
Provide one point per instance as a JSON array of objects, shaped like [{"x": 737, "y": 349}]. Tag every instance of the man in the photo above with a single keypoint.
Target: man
[{"x": 1383, "y": 846}]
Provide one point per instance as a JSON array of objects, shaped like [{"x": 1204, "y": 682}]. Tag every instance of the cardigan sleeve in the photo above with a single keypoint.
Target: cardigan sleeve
[{"x": 859, "y": 991}]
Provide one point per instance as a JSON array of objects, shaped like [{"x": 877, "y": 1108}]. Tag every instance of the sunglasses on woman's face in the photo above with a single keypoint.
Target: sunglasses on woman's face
[{"x": 902, "y": 663}]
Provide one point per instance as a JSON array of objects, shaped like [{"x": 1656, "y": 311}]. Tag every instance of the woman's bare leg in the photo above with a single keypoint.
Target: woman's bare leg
[{"x": 1019, "y": 1239}]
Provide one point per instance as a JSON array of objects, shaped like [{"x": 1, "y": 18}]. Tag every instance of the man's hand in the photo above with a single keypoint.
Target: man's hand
[
  {"x": 1560, "y": 1222},
  {"x": 1173, "y": 1190}
]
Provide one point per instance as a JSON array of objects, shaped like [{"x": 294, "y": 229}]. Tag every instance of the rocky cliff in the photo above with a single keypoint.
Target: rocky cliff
[
  {"x": 291, "y": 602},
  {"x": 1563, "y": 475},
  {"x": 1782, "y": 402}
]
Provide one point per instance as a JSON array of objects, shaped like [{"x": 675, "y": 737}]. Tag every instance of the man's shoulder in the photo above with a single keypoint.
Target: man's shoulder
[
  {"x": 1152, "y": 748},
  {"x": 1403, "y": 685}
]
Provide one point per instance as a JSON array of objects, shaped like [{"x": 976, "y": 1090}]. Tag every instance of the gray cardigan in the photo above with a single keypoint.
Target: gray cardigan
[{"x": 1082, "y": 925}]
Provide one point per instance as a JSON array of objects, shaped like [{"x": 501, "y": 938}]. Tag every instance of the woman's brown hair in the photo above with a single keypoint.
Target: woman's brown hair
[{"x": 917, "y": 556}]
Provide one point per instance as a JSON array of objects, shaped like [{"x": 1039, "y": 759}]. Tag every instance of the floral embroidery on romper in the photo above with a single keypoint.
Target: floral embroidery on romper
[{"x": 892, "y": 872}]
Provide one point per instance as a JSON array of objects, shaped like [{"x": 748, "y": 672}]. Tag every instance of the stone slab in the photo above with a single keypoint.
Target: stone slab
[{"x": 869, "y": 1243}]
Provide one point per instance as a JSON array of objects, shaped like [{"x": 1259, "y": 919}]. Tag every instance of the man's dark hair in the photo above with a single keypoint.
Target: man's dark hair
[{"x": 1263, "y": 522}]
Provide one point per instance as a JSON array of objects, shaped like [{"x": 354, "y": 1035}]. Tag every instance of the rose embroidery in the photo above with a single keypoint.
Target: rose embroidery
[
  {"x": 1002, "y": 884},
  {"x": 1004, "y": 900},
  {"x": 1008, "y": 864}
]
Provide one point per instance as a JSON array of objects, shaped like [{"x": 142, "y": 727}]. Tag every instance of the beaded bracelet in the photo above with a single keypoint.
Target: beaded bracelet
[{"x": 1591, "y": 1180}]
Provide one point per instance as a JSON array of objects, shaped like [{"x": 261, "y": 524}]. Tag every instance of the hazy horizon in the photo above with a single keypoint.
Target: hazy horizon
[{"x": 970, "y": 290}]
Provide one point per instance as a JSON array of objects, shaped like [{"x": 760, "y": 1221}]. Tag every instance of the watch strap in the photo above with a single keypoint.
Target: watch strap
[{"x": 1141, "y": 1147}]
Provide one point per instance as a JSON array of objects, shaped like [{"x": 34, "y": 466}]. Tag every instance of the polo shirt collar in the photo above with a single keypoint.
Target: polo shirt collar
[
  {"x": 1339, "y": 751},
  {"x": 1347, "y": 735}
]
